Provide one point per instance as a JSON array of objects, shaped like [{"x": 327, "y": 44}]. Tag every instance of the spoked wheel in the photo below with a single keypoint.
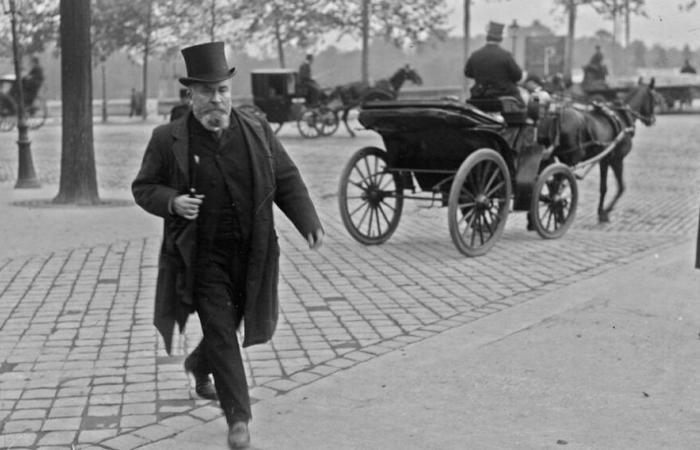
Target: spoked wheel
[
  {"x": 308, "y": 123},
  {"x": 554, "y": 201},
  {"x": 8, "y": 113},
  {"x": 479, "y": 202},
  {"x": 370, "y": 197},
  {"x": 327, "y": 122},
  {"x": 37, "y": 113}
]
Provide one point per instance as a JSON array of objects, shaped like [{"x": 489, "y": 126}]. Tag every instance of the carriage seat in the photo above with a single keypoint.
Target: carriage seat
[{"x": 510, "y": 108}]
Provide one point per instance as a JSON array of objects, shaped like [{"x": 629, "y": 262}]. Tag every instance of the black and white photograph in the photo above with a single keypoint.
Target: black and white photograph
[{"x": 349, "y": 225}]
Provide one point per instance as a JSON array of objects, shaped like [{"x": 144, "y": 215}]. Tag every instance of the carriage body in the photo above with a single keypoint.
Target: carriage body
[
  {"x": 274, "y": 92},
  {"x": 455, "y": 154},
  {"x": 276, "y": 95}
]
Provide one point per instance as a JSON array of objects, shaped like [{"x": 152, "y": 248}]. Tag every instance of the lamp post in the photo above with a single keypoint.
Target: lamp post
[
  {"x": 513, "y": 31},
  {"x": 26, "y": 176}
]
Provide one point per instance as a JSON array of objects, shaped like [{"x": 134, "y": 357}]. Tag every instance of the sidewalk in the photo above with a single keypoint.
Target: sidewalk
[{"x": 608, "y": 363}]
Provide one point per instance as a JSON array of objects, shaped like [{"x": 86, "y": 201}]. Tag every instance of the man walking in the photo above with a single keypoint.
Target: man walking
[
  {"x": 213, "y": 176},
  {"x": 493, "y": 69}
]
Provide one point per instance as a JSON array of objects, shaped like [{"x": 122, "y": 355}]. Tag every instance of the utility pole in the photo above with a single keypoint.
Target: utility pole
[
  {"x": 627, "y": 23},
  {"x": 365, "y": 40},
  {"x": 571, "y": 37},
  {"x": 467, "y": 20}
]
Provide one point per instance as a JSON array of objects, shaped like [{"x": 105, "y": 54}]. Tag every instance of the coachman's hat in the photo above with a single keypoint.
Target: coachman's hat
[
  {"x": 494, "y": 32},
  {"x": 206, "y": 63}
]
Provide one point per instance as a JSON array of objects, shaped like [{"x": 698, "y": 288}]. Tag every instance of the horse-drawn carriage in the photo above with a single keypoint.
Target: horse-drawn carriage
[
  {"x": 276, "y": 95},
  {"x": 480, "y": 159},
  {"x": 35, "y": 109}
]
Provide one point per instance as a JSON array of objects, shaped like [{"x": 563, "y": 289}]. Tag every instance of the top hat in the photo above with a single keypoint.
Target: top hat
[
  {"x": 494, "y": 31},
  {"x": 206, "y": 63}
]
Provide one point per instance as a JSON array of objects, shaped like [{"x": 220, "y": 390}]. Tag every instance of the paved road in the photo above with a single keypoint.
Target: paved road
[{"x": 80, "y": 363}]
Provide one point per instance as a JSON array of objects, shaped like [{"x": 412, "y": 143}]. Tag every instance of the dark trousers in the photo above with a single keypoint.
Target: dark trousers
[{"x": 220, "y": 298}]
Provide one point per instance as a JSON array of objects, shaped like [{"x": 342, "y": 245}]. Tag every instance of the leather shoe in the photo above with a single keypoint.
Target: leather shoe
[
  {"x": 202, "y": 383},
  {"x": 238, "y": 435}
]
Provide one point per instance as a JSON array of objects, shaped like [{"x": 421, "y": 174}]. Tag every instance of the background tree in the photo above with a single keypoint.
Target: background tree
[
  {"x": 107, "y": 37},
  {"x": 405, "y": 23},
  {"x": 37, "y": 27},
  {"x": 78, "y": 181},
  {"x": 299, "y": 23},
  {"x": 151, "y": 27}
]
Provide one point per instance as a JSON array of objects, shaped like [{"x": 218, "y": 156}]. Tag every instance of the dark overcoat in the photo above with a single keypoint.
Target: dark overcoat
[
  {"x": 494, "y": 71},
  {"x": 164, "y": 174}
]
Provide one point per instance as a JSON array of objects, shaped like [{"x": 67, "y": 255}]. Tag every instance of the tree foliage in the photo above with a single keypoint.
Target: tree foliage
[
  {"x": 403, "y": 22},
  {"x": 37, "y": 26},
  {"x": 276, "y": 23}
]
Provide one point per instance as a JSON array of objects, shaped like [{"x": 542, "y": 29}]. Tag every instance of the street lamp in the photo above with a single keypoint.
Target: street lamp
[
  {"x": 26, "y": 176},
  {"x": 513, "y": 31}
]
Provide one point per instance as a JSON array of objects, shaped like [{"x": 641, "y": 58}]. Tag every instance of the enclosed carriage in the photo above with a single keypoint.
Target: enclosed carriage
[
  {"x": 276, "y": 94},
  {"x": 479, "y": 160}
]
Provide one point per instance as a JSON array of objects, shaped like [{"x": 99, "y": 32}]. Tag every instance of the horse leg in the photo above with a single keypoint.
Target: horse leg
[
  {"x": 602, "y": 214},
  {"x": 346, "y": 112},
  {"x": 617, "y": 171}
]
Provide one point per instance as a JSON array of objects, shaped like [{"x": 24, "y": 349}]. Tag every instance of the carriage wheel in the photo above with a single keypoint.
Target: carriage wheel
[
  {"x": 554, "y": 201},
  {"x": 370, "y": 197},
  {"x": 8, "y": 113},
  {"x": 479, "y": 201},
  {"x": 327, "y": 122},
  {"x": 37, "y": 113},
  {"x": 308, "y": 123}
]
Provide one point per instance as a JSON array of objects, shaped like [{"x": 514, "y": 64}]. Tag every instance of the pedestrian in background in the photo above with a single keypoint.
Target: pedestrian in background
[
  {"x": 135, "y": 103},
  {"x": 213, "y": 176},
  {"x": 183, "y": 108}
]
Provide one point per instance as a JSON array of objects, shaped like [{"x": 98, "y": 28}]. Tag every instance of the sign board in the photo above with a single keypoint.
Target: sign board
[{"x": 544, "y": 55}]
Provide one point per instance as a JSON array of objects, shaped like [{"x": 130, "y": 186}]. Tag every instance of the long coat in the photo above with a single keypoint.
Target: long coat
[
  {"x": 495, "y": 72},
  {"x": 164, "y": 174}
]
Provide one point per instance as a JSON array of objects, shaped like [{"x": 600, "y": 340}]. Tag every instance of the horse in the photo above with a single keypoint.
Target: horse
[
  {"x": 579, "y": 135},
  {"x": 352, "y": 95}
]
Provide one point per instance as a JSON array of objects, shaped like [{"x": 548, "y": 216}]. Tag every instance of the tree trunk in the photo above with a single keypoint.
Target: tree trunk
[
  {"x": 212, "y": 24},
  {"x": 146, "y": 53},
  {"x": 280, "y": 44},
  {"x": 78, "y": 182},
  {"x": 104, "y": 92},
  {"x": 467, "y": 32},
  {"x": 365, "y": 40},
  {"x": 570, "y": 38}
]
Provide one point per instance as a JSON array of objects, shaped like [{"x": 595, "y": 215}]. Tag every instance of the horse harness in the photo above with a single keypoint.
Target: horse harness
[{"x": 620, "y": 118}]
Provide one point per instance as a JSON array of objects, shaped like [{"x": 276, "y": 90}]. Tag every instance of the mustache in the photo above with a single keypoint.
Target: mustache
[{"x": 215, "y": 110}]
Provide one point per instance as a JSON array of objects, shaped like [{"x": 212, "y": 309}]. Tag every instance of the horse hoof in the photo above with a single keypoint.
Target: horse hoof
[{"x": 603, "y": 219}]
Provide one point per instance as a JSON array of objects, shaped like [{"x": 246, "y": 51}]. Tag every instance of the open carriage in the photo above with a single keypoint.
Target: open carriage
[
  {"x": 479, "y": 159},
  {"x": 275, "y": 94}
]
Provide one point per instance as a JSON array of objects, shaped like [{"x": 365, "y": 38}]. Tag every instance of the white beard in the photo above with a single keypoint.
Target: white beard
[{"x": 215, "y": 121}]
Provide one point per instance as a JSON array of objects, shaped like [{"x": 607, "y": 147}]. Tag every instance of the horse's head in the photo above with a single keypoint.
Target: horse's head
[
  {"x": 641, "y": 102},
  {"x": 405, "y": 73}
]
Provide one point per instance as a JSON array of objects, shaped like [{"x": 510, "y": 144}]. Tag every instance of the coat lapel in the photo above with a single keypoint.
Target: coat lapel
[{"x": 180, "y": 151}]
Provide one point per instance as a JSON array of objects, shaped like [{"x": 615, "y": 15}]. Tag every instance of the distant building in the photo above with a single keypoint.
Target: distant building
[{"x": 517, "y": 34}]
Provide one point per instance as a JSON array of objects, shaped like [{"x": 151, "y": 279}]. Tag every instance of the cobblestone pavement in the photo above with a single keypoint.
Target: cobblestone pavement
[{"x": 81, "y": 365}]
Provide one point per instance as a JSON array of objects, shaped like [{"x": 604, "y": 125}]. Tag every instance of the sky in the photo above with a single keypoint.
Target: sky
[{"x": 665, "y": 24}]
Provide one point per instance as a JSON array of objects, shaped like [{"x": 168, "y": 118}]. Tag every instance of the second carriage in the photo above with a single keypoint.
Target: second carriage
[
  {"x": 276, "y": 95},
  {"x": 480, "y": 160}
]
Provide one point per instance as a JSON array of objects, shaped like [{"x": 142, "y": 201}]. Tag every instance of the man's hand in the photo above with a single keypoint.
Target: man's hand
[
  {"x": 187, "y": 206},
  {"x": 315, "y": 239}
]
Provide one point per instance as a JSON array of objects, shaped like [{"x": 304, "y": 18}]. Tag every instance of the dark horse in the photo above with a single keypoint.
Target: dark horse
[
  {"x": 579, "y": 135},
  {"x": 353, "y": 94}
]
